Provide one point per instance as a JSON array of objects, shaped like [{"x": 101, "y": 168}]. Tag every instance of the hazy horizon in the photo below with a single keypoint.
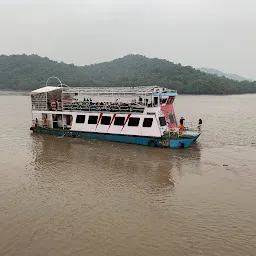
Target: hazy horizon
[{"x": 211, "y": 34}]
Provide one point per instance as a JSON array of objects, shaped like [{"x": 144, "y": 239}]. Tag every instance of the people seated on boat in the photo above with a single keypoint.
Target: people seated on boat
[
  {"x": 106, "y": 106},
  {"x": 110, "y": 106},
  {"x": 36, "y": 123}
]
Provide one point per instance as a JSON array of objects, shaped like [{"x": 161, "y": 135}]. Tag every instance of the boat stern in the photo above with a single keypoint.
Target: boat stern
[
  {"x": 191, "y": 134},
  {"x": 181, "y": 142}
]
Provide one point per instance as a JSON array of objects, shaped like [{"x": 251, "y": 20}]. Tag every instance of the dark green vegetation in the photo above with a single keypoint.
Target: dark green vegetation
[
  {"x": 22, "y": 72},
  {"x": 227, "y": 75}
]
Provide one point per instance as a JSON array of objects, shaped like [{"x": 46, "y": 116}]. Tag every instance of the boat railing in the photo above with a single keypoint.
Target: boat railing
[
  {"x": 50, "y": 124},
  {"x": 171, "y": 132},
  {"x": 188, "y": 125},
  {"x": 41, "y": 123},
  {"x": 38, "y": 106},
  {"x": 192, "y": 126},
  {"x": 137, "y": 90}
]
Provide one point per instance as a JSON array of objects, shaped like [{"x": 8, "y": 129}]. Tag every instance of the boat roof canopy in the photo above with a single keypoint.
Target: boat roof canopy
[
  {"x": 45, "y": 89},
  {"x": 139, "y": 90}
]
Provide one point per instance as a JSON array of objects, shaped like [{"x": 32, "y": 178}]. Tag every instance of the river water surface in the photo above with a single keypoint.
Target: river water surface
[{"x": 63, "y": 196}]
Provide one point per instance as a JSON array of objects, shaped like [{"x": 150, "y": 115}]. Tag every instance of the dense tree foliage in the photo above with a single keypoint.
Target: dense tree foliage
[{"x": 22, "y": 72}]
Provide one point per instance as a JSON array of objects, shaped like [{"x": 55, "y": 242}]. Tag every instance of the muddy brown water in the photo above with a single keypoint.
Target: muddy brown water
[{"x": 64, "y": 196}]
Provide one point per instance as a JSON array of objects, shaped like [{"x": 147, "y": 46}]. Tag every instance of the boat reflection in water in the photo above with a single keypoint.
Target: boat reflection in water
[{"x": 97, "y": 166}]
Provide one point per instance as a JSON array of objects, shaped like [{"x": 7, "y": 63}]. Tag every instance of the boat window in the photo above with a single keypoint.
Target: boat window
[
  {"x": 93, "y": 120},
  {"x": 105, "y": 120},
  {"x": 147, "y": 122},
  {"x": 156, "y": 101},
  {"x": 80, "y": 119},
  {"x": 162, "y": 121},
  {"x": 133, "y": 121},
  {"x": 119, "y": 121}
]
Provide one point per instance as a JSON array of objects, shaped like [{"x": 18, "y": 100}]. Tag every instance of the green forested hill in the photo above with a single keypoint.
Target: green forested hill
[{"x": 22, "y": 72}]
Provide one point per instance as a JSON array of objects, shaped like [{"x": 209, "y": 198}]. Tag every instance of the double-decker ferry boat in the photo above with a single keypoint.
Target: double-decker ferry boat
[{"x": 139, "y": 115}]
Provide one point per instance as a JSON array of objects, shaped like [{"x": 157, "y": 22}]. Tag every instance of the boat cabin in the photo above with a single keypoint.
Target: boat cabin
[{"x": 147, "y": 106}]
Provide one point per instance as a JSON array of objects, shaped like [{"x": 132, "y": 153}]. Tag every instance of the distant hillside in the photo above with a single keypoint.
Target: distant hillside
[
  {"x": 22, "y": 72},
  {"x": 227, "y": 75}
]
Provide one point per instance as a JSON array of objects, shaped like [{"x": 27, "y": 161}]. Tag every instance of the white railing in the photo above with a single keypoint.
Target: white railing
[
  {"x": 50, "y": 124},
  {"x": 140, "y": 90}
]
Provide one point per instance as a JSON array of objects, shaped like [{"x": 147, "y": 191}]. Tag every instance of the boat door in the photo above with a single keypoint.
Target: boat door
[
  {"x": 156, "y": 100},
  {"x": 44, "y": 120}
]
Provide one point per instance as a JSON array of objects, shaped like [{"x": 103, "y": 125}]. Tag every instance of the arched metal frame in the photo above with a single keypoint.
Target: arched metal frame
[{"x": 46, "y": 84}]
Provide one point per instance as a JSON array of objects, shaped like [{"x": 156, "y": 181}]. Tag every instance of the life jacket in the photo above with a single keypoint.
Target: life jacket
[{"x": 181, "y": 127}]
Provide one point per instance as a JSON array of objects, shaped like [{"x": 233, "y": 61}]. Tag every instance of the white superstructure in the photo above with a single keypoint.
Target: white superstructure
[{"x": 137, "y": 111}]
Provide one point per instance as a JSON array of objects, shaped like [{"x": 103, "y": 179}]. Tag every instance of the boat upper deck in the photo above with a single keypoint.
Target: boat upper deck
[{"x": 109, "y": 99}]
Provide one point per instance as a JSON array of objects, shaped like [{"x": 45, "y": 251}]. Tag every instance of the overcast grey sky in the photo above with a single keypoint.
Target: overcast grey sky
[{"x": 218, "y": 34}]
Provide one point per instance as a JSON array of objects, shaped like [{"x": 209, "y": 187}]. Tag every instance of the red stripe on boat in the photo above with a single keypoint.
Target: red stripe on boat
[
  {"x": 113, "y": 117},
  {"x": 126, "y": 120},
  {"x": 101, "y": 114},
  {"x": 167, "y": 110}
]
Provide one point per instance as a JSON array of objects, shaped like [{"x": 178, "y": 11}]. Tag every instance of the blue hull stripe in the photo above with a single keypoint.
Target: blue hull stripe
[{"x": 140, "y": 140}]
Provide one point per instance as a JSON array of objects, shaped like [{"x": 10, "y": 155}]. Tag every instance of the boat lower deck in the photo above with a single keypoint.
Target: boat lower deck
[{"x": 165, "y": 142}]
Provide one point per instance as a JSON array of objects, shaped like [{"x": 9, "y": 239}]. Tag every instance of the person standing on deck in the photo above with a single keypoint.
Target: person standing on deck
[
  {"x": 181, "y": 126},
  {"x": 182, "y": 121},
  {"x": 200, "y": 123}
]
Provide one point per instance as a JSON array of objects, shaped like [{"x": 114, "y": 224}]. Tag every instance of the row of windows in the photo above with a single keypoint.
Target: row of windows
[{"x": 105, "y": 120}]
